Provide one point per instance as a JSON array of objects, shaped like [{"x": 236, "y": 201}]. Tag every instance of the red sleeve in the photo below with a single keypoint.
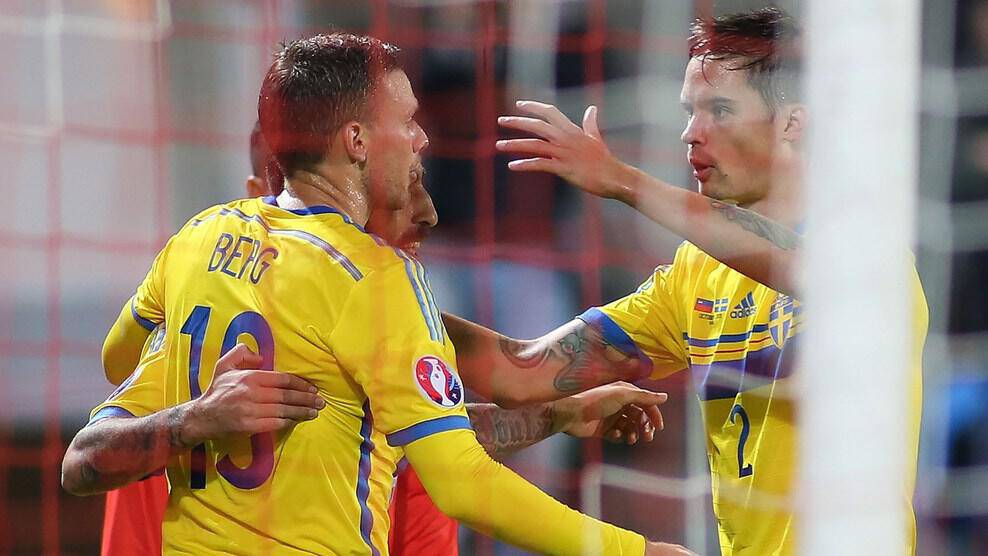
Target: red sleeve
[
  {"x": 133, "y": 516},
  {"x": 417, "y": 525}
]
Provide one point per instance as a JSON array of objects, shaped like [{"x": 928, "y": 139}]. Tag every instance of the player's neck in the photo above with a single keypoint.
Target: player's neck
[
  {"x": 310, "y": 189},
  {"x": 784, "y": 201}
]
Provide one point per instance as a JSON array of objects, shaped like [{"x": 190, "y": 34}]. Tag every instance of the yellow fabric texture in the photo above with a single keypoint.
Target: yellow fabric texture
[
  {"x": 316, "y": 296},
  {"x": 739, "y": 340}
]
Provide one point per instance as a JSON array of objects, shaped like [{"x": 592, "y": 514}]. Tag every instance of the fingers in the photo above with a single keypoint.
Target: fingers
[
  {"x": 536, "y": 165},
  {"x": 287, "y": 381},
  {"x": 269, "y": 424},
  {"x": 536, "y": 127},
  {"x": 631, "y": 424},
  {"x": 655, "y": 417},
  {"x": 285, "y": 396},
  {"x": 548, "y": 113},
  {"x": 536, "y": 147},
  {"x": 279, "y": 411},
  {"x": 240, "y": 357},
  {"x": 642, "y": 397},
  {"x": 590, "y": 122}
]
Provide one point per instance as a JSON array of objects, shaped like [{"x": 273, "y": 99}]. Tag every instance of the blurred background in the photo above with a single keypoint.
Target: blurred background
[{"x": 120, "y": 119}]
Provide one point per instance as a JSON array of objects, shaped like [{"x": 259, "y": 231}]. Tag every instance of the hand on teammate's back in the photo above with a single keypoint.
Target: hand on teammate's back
[
  {"x": 616, "y": 412},
  {"x": 243, "y": 400},
  {"x": 559, "y": 146},
  {"x": 666, "y": 549}
]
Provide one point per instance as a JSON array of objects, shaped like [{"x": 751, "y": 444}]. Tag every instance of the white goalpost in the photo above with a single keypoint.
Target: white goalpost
[{"x": 863, "y": 61}]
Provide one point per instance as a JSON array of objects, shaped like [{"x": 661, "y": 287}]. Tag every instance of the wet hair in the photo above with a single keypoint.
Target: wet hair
[
  {"x": 764, "y": 43},
  {"x": 313, "y": 87}
]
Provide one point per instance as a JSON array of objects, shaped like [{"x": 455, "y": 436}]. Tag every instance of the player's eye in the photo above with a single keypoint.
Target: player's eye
[{"x": 720, "y": 110}]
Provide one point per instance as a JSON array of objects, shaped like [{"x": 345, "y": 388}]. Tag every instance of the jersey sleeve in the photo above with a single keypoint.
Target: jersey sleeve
[
  {"x": 469, "y": 486},
  {"x": 147, "y": 306},
  {"x": 142, "y": 393},
  {"x": 646, "y": 323},
  {"x": 391, "y": 339}
]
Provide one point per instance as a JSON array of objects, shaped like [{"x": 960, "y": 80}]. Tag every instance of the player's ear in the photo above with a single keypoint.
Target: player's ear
[
  {"x": 257, "y": 187},
  {"x": 795, "y": 119},
  {"x": 354, "y": 139}
]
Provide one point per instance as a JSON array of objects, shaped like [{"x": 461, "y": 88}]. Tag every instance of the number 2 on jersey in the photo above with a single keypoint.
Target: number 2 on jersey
[
  {"x": 737, "y": 410},
  {"x": 261, "y": 445}
]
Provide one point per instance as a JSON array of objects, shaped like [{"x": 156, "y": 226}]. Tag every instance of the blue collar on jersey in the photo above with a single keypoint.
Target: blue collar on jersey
[{"x": 315, "y": 209}]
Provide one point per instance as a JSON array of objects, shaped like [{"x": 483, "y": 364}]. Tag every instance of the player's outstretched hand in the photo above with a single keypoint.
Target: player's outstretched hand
[
  {"x": 617, "y": 411},
  {"x": 665, "y": 549},
  {"x": 243, "y": 400},
  {"x": 557, "y": 145}
]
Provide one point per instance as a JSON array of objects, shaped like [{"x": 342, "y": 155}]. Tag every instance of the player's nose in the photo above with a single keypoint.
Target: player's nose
[
  {"x": 420, "y": 141},
  {"x": 694, "y": 132}
]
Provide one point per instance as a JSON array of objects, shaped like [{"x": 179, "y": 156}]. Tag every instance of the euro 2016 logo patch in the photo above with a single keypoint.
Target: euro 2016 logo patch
[{"x": 437, "y": 383}]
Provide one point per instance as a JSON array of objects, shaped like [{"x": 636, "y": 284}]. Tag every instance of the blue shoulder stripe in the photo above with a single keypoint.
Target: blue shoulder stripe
[
  {"x": 109, "y": 411},
  {"x": 615, "y": 335},
  {"x": 430, "y": 299},
  {"x": 428, "y": 428},
  {"x": 148, "y": 324},
  {"x": 411, "y": 271}
]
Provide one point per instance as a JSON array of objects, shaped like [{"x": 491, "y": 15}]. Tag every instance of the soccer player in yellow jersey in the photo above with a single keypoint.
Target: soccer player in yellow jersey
[
  {"x": 134, "y": 514},
  {"x": 727, "y": 308},
  {"x": 299, "y": 280}
]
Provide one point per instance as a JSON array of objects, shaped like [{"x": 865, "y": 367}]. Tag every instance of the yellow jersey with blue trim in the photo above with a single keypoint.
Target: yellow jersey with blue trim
[
  {"x": 739, "y": 339},
  {"x": 317, "y": 296}
]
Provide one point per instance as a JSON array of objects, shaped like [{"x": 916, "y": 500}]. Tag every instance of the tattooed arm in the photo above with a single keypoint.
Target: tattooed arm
[
  {"x": 619, "y": 411},
  {"x": 511, "y": 373},
  {"x": 750, "y": 243},
  {"x": 504, "y": 431},
  {"x": 114, "y": 451}
]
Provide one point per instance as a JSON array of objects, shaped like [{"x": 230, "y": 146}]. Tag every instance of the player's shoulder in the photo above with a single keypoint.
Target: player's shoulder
[
  {"x": 243, "y": 208},
  {"x": 383, "y": 262},
  {"x": 688, "y": 254}
]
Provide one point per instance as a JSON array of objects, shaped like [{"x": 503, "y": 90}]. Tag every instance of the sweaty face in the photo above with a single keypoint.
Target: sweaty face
[
  {"x": 395, "y": 142},
  {"x": 407, "y": 226},
  {"x": 730, "y": 133}
]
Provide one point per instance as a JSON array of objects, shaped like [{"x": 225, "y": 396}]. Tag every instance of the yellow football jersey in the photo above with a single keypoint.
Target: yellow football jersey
[
  {"x": 315, "y": 295},
  {"x": 739, "y": 340},
  {"x": 142, "y": 393}
]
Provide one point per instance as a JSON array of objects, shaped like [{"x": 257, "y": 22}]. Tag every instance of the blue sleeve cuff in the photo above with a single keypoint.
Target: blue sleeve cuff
[
  {"x": 148, "y": 324},
  {"x": 616, "y": 336},
  {"x": 109, "y": 411},
  {"x": 428, "y": 428}
]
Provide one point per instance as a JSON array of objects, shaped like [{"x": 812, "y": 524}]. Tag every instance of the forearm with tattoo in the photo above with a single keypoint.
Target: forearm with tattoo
[
  {"x": 780, "y": 236},
  {"x": 503, "y": 431},
  {"x": 515, "y": 373},
  {"x": 116, "y": 451},
  {"x": 577, "y": 352}
]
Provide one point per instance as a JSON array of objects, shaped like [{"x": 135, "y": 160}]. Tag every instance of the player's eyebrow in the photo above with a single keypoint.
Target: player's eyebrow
[{"x": 707, "y": 102}]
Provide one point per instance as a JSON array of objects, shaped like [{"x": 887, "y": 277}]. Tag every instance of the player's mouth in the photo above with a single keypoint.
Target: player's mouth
[
  {"x": 702, "y": 170},
  {"x": 411, "y": 241}
]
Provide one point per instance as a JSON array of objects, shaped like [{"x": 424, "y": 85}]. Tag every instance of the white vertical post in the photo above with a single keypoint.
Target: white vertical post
[{"x": 862, "y": 91}]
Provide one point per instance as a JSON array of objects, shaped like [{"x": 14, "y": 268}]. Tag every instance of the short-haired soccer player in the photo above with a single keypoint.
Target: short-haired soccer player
[
  {"x": 727, "y": 307},
  {"x": 300, "y": 279},
  {"x": 134, "y": 513}
]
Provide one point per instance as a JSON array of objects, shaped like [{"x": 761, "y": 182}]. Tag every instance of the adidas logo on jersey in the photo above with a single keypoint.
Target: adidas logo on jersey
[{"x": 744, "y": 309}]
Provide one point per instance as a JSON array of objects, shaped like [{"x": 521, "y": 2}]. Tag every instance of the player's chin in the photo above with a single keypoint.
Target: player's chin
[{"x": 715, "y": 190}]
